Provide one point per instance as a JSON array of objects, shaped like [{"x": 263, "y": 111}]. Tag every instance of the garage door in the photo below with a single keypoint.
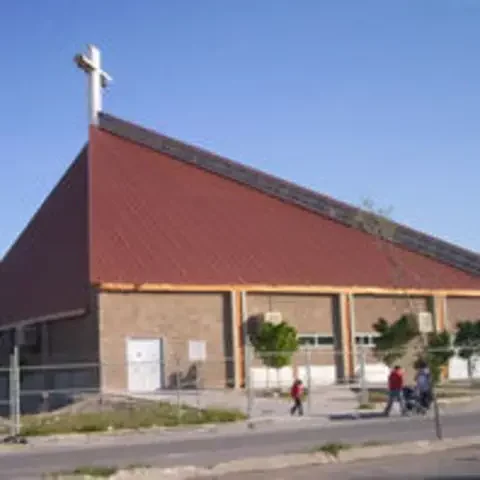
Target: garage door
[
  {"x": 266, "y": 378},
  {"x": 320, "y": 375},
  {"x": 321, "y": 352},
  {"x": 458, "y": 368},
  {"x": 375, "y": 371}
]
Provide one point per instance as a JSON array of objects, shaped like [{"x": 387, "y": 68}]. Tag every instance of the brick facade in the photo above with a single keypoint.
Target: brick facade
[
  {"x": 459, "y": 309},
  {"x": 177, "y": 318},
  {"x": 100, "y": 337},
  {"x": 369, "y": 308}
]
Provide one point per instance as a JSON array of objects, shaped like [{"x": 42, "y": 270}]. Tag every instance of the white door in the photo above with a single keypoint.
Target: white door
[{"x": 144, "y": 358}]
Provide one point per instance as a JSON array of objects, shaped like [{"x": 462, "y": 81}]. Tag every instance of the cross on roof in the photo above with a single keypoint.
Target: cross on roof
[{"x": 97, "y": 80}]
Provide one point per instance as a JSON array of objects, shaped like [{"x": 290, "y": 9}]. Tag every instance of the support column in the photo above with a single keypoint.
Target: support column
[
  {"x": 353, "y": 344},
  {"x": 439, "y": 312},
  {"x": 237, "y": 337},
  {"x": 242, "y": 326},
  {"x": 438, "y": 309},
  {"x": 344, "y": 321}
]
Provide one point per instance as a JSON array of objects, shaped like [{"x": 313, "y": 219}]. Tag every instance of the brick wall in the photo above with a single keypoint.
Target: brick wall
[
  {"x": 461, "y": 308},
  {"x": 309, "y": 314},
  {"x": 177, "y": 318},
  {"x": 369, "y": 308}
]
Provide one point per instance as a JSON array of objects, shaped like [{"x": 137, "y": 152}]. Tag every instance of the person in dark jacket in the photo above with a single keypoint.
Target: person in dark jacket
[
  {"x": 296, "y": 393},
  {"x": 423, "y": 380}
]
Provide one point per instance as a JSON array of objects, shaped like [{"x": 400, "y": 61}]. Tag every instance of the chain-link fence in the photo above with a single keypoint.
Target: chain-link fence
[{"x": 334, "y": 382}]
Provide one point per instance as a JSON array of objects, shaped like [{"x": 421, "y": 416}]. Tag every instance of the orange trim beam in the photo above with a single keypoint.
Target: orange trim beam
[
  {"x": 439, "y": 312},
  {"x": 345, "y": 312},
  {"x": 305, "y": 289},
  {"x": 239, "y": 349}
]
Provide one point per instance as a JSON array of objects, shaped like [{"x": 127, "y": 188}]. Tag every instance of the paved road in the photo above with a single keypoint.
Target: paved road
[
  {"x": 454, "y": 464},
  {"x": 207, "y": 449}
]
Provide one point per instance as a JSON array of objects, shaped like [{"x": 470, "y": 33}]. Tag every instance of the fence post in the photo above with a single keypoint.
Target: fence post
[
  {"x": 436, "y": 410},
  {"x": 14, "y": 387},
  {"x": 308, "y": 361},
  {"x": 248, "y": 379},
  {"x": 178, "y": 386},
  {"x": 11, "y": 394},
  {"x": 363, "y": 379}
]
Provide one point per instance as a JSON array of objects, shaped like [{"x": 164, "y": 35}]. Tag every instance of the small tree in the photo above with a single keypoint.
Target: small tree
[
  {"x": 275, "y": 344},
  {"x": 438, "y": 353},
  {"x": 467, "y": 340},
  {"x": 393, "y": 339}
]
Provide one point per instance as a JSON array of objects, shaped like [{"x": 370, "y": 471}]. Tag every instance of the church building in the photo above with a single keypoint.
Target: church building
[{"x": 150, "y": 249}]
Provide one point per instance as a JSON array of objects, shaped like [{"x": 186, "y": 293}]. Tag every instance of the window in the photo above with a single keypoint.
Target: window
[
  {"x": 324, "y": 340},
  {"x": 367, "y": 339},
  {"x": 315, "y": 340},
  {"x": 306, "y": 340}
]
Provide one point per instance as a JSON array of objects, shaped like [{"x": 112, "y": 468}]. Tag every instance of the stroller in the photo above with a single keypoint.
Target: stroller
[{"x": 414, "y": 403}]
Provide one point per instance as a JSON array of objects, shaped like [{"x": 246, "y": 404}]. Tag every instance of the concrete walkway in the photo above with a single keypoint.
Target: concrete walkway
[
  {"x": 454, "y": 464},
  {"x": 322, "y": 401}
]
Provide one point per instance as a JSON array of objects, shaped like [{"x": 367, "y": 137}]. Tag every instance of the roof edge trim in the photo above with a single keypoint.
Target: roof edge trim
[{"x": 299, "y": 289}]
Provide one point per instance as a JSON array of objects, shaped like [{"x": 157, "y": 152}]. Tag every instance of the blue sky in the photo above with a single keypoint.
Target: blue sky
[{"x": 357, "y": 99}]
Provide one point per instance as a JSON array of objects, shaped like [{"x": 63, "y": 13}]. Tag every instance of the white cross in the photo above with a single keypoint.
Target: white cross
[{"x": 97, "y": 80}]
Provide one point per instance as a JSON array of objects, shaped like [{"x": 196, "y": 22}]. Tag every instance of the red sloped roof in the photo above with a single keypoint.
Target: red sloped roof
[
  {"x": 155, "y": 219},
  {"x": 130, "y": 213},
  {"x": 46, "y": 270}
]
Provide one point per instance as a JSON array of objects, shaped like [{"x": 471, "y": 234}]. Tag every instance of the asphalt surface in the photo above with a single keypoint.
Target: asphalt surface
[
  {"x": 453, "y": 464},
  {"x": 210, "y": 448}
]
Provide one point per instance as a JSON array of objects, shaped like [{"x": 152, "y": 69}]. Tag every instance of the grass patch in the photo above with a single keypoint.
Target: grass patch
[
  {"x": 156, "y": 414},
  {"x": 332, "y": 448},
  {"x": 462, "y": 385},
  {"x": 136, "y": 466},
  {"x": 95, "y": 472},
  {"x": 450, "y": 394},
  {"x": 366, "y": 406},
  {"x": 376, "y": 396},
  {"x": 373, "y": 443}
]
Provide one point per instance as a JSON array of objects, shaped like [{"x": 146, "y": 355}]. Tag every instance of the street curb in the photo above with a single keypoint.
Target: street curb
[
  {"x": 252, "y": 424},
  {"x": 345, "y": 456},
  {"x": 278, "y": 462},
  {"x": 89, "y": 438}
]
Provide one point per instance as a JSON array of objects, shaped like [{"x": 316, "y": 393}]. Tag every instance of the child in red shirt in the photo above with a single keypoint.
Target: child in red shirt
[
  {"x": 395, "y": 390},
  {"x": 296, "y": 393}
]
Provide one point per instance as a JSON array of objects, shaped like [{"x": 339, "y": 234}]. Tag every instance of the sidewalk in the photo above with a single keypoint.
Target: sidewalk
[
  {"x": 264, "y": 422},
  {"x": 322, "y": 401},
  {"x": 440, "y": 465}
]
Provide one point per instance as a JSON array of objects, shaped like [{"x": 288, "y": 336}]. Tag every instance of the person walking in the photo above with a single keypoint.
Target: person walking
[
  {"x": 296, "y": 393},
  {"x": 423, "y": 380},
  {"x": 395, "y": 390}
]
